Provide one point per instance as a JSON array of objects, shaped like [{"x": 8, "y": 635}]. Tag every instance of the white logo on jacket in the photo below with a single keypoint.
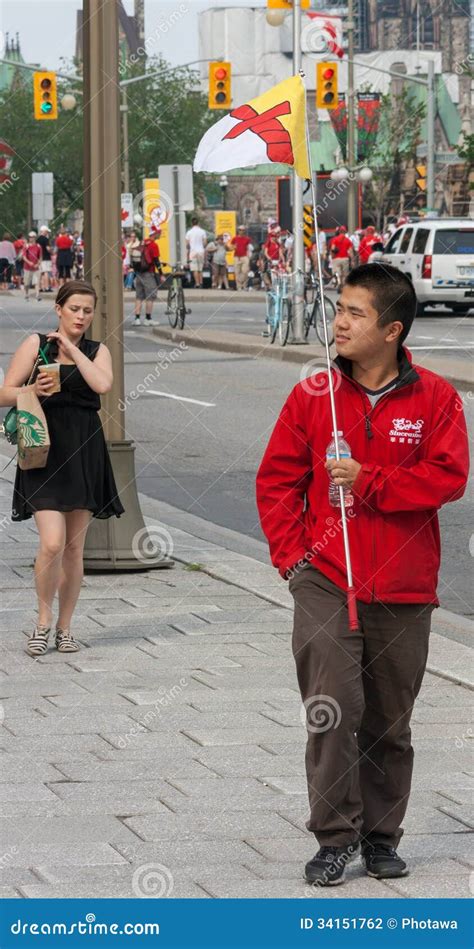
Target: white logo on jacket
[{"x": 404, "y": 430}]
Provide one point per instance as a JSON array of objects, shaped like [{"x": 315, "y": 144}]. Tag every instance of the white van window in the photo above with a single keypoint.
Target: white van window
[
  {"x": 419, "y": 242},
  {"x": 406, "y": 240},
  {"x": 454, "y": 242},
  {"x": 392, "y": 245}
]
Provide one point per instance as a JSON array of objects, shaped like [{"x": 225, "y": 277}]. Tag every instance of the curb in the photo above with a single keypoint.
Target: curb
[
  {"x": 210, "y": 296},
  {"x": 457, "y": 371},
  {"x": 447, "y": 659}
]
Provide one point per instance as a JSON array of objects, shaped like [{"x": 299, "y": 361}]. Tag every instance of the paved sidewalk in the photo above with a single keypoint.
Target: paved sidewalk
[{"x": 166, "y": 758}]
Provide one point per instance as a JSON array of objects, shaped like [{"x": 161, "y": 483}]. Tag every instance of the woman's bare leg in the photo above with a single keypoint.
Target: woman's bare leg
[
  {"x": 72, "y": 570},
  {"x": 52, "y": 531}
]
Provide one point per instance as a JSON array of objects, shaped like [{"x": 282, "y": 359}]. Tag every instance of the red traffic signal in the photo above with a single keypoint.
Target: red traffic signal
[
  {"x": 327, "y": 96},
  {"x": 220, "y": 95}
]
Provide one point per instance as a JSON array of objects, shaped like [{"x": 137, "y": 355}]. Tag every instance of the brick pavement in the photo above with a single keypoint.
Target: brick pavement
[{"x": 166, "y": 758}]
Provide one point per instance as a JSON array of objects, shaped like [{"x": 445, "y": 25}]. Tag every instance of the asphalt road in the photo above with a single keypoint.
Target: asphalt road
[{"x": 200, "y": 429}]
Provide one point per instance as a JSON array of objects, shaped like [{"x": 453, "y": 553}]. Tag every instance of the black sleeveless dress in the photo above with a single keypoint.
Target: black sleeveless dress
[{"x": 78, "y": 474}]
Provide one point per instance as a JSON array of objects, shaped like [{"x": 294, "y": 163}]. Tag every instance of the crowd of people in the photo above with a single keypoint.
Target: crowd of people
[
  {"x": 251, "y": 262},
  {"x": 40, "y": 262}
]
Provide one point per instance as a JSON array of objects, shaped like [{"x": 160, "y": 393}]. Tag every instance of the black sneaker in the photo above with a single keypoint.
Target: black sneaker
[
  {"x": 328, "y": 866},
  {"x": 383, "y": 862}
]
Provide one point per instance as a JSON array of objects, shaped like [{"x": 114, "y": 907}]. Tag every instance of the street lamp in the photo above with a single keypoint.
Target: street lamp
[
  {"x": 275, "y": 17},
  {"x": 223, "y": 183},
  {"x": 68, "y": 102}
]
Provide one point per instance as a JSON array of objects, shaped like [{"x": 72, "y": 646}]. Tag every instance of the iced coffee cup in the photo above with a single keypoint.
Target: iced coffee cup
[{"x": 53, "y": 369}]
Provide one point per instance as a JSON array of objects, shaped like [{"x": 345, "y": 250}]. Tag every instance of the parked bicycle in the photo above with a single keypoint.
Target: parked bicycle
[
  {"x": 176, "y": 309},
  {"x": 313, "y": 312},
  {"x": 279, "y": 312}
]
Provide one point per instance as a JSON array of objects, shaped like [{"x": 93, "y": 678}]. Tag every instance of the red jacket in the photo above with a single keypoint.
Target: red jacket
[{"x": 414, "y": 454}]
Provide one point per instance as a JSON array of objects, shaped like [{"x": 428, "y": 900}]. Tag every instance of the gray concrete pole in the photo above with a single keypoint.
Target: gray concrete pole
[
  {"x": 298, "y": 246},
  {"x": 430, "y": 122},
  {"x": 110, "y": 543}
]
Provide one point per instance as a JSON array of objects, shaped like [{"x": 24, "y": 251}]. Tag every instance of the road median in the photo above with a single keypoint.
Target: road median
[{"x": 457, "y": 371}]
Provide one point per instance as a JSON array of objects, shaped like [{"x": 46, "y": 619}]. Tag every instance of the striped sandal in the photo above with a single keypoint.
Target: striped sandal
[
  {"x": 65, "y": 641},
  {"x": 38, "y": 642}
]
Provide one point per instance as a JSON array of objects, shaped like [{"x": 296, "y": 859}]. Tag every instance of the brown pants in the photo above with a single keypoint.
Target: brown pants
[{"x": 358, "y": 689}]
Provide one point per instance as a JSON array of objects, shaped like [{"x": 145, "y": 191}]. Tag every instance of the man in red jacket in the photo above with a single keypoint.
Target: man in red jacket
[{"x": 406, "y": 430}]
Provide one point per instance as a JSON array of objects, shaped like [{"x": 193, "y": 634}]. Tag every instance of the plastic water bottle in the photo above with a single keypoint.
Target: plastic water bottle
[{"x": 344, "y": 452}]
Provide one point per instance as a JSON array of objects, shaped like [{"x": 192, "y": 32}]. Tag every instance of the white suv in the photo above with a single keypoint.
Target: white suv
[{"x": 438, "y": 256}]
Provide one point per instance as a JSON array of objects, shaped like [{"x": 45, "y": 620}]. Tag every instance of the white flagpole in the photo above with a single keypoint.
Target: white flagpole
[{"x": 351, "y": 600}]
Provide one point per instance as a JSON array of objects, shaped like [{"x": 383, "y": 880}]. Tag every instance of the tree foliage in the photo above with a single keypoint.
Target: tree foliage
[
  {"x": 399, "y": 131},
  {"x": 167, "y": 117}
]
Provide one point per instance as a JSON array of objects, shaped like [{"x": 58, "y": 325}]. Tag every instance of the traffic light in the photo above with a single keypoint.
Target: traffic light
[
  {"x": 326, "y": 86},
  {"x": 220, "y": 94},
  {"x": 421, "y": 181},
  {"x": 45, "y": 95}
]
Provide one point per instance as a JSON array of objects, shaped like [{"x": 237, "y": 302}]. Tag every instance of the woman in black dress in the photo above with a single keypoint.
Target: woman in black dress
[{"x": 77, "y": 482}]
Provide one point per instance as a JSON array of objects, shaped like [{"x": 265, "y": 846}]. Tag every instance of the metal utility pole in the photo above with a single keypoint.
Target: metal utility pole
[
  {"x": 351, "y": 150},
  {"x": 126, "y": 163},
  {"x": 110, "y": 542},
  {"x": 298, "y": 247},
  {"x": 430, "y": 140}
]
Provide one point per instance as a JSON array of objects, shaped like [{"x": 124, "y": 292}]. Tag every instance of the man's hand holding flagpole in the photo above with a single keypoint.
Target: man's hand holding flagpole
[{"x": 274, "y": 128}]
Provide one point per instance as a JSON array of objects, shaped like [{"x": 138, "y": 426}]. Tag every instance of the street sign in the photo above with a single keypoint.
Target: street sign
[
  {"x": 176, "y": 190},
  {"x": 126, "y": 214},
  {"x": 42, "y": 192},
  {"x": 180, "y": 177}
]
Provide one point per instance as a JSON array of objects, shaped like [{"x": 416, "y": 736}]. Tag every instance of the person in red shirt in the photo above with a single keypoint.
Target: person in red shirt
[
  {"x": 32, "y": 256},
  {"x": 407, "y": 434},
  {"x": 273, "y": 253},
  {"x": 342, "y": 252},
  {"x": 19, "y": 244},
  {"x": 64, "y": 256},
  {"x": 365, "y": 247},
  {"x": 242, "y": 249},
  {"x": 146, "y": 277}
]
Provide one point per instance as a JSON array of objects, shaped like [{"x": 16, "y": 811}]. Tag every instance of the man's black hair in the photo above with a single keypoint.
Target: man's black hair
[
  {"x": 392, "y": 293},
  {"x": 194, "y": 220}
]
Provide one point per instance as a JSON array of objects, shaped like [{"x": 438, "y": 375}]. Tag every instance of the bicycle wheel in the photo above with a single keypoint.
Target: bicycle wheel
[
  {"x": 172, "y": 306},
  {"x": 181, "y": 306},
  {"x": 285, "y": 321},
  {"x": 318, "y": 319},
  {"x": 307, "y": 319}
]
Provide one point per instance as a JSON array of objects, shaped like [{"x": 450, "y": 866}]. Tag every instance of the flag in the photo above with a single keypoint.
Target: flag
[
  {"x": 328, "y": 29},
  {"x": 271, "y": 128}
]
